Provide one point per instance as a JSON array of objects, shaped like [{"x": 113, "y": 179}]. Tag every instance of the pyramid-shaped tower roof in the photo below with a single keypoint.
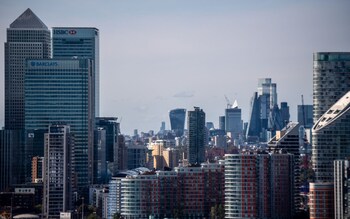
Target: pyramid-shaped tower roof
[{"x": 28, "y": 20}]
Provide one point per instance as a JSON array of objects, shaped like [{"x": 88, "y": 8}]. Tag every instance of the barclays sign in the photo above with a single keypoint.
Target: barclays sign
[{"x": 42, "y": 64}]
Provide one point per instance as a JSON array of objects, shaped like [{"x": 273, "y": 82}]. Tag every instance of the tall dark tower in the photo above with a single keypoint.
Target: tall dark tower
[
  {"x": 27, "y": 37},
  {"x": 196, "y": 136},
  {"x": 177, "y": 121}
]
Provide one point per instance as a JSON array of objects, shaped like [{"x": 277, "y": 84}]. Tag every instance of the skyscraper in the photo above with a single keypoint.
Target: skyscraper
[
  {"x": 233, "y": 121},
  {"x": 330, "y": 80},
  {"x": 331, "y": 139},
  {"x": 259, "y": 185},
  {"x": 196, "y": 136},
  {"x": 265, "y": 116},
  {"x": 305, "y": 114},
  {"x": 81, "y": 42},
  {"x": 57, "y": 168},
  {"x": 61, "y": 90},
  {"x": 177, "y": 121},
  {"x": 27, "y": 37},
  {"x": 287, "y": 140}
]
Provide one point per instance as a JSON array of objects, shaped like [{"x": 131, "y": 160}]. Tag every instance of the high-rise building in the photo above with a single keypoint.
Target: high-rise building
[
  {"x": 177, "y": 121},
  {"x": 37, "y": 169},
  {"x": 265, "y": 116},
  {"x": 100, "y": 173},
  {"x": 285, "y": 113},
  {"x": 305, "y": 113},
  {"x": 321, "y": 200},
  {"x": 330, "y": 80},
  {"x": 222, "y": 122},
  {"x": 112, "y": 129},
  {"x": 341, "y": 189},
  {"x": 61, "y": 90},
  {"x": 331, "y": 139},
  {"x": 196, "y": 136},
  {"x": 233, "y": 121},
  {"x": 259, "y": 186},
  {"x": 287, "y": 140},
  {"x": 80, "y": 42},
  {"x": 59, "y": 145},
  {"x": 11, "y": 149},
  {"x": 27, "y": 37}
]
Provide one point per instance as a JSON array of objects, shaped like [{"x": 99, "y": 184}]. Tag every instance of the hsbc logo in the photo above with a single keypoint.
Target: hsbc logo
[{"x": 65, "y": 32}]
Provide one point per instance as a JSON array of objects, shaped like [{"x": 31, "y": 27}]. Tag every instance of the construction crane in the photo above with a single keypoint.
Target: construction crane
[{"x": 229, "y": 105}]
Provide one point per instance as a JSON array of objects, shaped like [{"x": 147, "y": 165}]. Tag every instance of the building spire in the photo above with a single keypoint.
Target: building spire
[{"x": 28, "y": 20}]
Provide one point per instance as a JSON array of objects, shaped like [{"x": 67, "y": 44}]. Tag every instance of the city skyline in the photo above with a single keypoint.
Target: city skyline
[{"x": 145, "y": 45}]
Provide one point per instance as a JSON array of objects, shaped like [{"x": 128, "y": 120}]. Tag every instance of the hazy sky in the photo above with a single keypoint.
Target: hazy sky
[{"x": 157, "y": 55}]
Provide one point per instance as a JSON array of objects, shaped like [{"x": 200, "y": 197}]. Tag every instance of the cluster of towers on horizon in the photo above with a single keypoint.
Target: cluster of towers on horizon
[{"x": 248, "y": 170}]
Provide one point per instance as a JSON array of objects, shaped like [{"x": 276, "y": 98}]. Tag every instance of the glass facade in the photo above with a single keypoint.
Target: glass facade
[
  {"x": 177, "y": 121},
  {"x": 59, "y": 90},
  {"x": 81, "y": 42}
]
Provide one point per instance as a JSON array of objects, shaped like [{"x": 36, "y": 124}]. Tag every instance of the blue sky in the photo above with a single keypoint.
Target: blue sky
[{"x": 160, "y": 55}]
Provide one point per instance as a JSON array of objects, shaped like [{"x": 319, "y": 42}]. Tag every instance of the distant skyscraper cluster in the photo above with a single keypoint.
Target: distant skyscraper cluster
[{"x": 265, "y": 115}]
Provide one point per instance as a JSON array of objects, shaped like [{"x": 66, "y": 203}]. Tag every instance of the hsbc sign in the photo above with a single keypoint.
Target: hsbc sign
[{"x": 65, "y": 32}]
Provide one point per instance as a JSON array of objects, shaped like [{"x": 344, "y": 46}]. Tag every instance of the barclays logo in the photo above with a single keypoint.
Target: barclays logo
[{"x": 43, "y": 64}]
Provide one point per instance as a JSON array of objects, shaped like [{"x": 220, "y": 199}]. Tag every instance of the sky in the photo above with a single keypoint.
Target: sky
[{"x": 158, "y": 55}]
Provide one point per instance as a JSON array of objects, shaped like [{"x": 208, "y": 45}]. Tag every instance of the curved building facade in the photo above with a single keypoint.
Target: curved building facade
[
  {"x": 331, "y": 139},
  {"x": 177, "y": 121},
  {"x": 330, "y": 80}
]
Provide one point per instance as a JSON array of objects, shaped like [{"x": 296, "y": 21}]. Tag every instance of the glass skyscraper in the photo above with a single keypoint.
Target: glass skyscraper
[
  {"x": 27, "y": 37},
  {"x": 59, "y": 90},
  {"x": 81, "y": 42},
  {"x": 177, "y": 121}
]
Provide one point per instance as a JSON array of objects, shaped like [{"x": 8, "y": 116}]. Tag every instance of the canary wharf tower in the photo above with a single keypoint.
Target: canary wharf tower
[
  {"x": 79, "y": 42},
  {"x": 27, "y": 37}
]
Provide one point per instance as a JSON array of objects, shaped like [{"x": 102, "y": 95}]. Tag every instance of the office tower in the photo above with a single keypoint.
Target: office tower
[
  {"x": 79, "y": 42},
  {"x": 136, "y": 156},
  {"x": 177, "y": 121},
  {"x": 100, "y": 173},
  {"x": 27, "y": 37},
  {"x": 321, "y": 200},
  {"x": 59, "y": 145},
  {"x": 162, "y": 127},
  {"x": 288, "y": 140},
  {"x": 254, "y": 124},
  {"x": 233, "y": 121},
  {"x": 112, "y": 129},
  {"x": 331, "y": 139},
  {"x": 157, "y": 148},
  {"x": 265, "y": 115},
  {"x": 341, "y": 189},
  {"x": 122, "y": 153},
  {"x": 285, "y": 113},
  {"x": 222, "y": 122},
  {"x": 196, "y": 136},
  {"x": 209, "y": 125},
  {"x": 330, "y": 80},
  {"x": 37, "y": 169},
  {"x": 305, "y": 113},
  {"x": 60, "y": 90},
  {"x": 11, "y": 147},
  {"x": 259, "y": 186}
]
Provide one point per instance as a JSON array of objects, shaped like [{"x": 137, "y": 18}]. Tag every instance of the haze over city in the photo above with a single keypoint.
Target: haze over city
[{"x": 160, "y": 55}]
